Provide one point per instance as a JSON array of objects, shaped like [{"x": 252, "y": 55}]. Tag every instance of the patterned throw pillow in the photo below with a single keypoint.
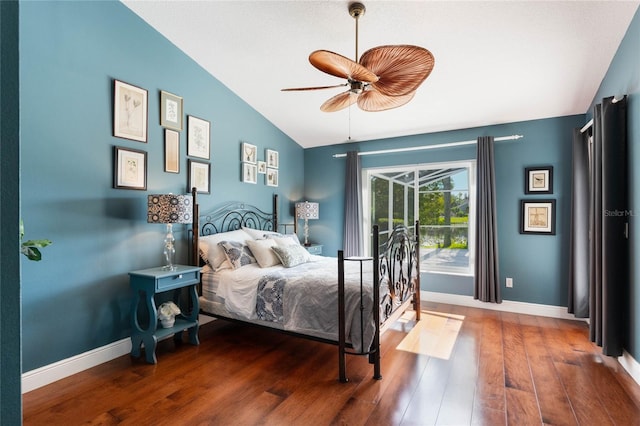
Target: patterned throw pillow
[
  {"x": 238, "y": 254},
  {"x": 291, "y": 255}
]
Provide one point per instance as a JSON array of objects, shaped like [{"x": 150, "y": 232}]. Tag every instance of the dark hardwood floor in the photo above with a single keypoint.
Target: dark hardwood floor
[{"x": 504, "y": 368}]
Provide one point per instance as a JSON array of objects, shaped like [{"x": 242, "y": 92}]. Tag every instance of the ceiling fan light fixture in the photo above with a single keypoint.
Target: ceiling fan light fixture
[
  {"x": 385, "y": 77},
  {"x": 357, "y": 87}
]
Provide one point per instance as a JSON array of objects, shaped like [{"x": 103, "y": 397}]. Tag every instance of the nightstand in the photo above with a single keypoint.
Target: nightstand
[
  {"x": 314, "y": 249},
  {"x": 146, "y": 283}
]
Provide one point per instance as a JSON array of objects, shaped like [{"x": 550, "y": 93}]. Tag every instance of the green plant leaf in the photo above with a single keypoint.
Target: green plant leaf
[
  {"x": 37, "y": 243},
  {"x": 32, "y": 253}
]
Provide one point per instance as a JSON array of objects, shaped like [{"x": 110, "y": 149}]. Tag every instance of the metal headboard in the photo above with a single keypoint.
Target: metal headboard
[{"x": 229, "y": 217}]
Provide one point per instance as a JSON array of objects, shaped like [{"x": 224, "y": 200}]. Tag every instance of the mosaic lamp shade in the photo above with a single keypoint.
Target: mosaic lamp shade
[
  {"x": 169, "y": 209},
  {"x": 306, "y": 211}
]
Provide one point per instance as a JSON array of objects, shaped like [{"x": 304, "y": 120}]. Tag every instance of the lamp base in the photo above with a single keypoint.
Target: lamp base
[{"x": 307, "y": 244}]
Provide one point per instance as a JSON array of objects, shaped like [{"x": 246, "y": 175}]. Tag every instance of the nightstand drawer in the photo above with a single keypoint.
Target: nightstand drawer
[
  {"x": 176, "y": 281},
  {"x": 314, "y": 249}
]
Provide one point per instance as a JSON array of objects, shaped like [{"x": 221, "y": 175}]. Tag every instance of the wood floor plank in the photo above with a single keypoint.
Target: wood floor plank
[
  {"x": 553, "y": 401},
  {"x": 522, "y": 408},
  {"x": 582, "y": 395},
  {"x": 516, "y": 365}
]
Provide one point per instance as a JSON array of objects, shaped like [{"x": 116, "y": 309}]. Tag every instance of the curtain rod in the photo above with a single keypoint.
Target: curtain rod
[
  {"x": 587, "y": 126},
  {"x": 434, "y": 146},
  {"x": 590, "y": 122}
]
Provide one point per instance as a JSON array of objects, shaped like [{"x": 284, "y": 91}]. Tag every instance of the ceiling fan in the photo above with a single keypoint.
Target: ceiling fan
[{"x": 386, "y": 77}]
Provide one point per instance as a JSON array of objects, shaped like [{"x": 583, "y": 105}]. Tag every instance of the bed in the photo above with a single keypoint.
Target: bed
[{"x": 255, "y": 274}]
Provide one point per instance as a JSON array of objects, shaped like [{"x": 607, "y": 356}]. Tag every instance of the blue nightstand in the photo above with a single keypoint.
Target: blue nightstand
[
  {"x": 146, "y": 283},
  {"x": 314, "y": 249}
]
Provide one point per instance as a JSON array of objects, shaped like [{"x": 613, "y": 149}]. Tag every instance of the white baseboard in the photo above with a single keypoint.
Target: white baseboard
[
  {"x": 42, "y": 376},
  {"x": 67, "y": 367},
  {"x": 631, "y": 365},
  {"x": 505, "y": 306}
]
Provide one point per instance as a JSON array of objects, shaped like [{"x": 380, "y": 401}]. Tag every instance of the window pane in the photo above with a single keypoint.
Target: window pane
[
  {"x": 380, "y": 203},
  {"x": 444, "y": 212}
]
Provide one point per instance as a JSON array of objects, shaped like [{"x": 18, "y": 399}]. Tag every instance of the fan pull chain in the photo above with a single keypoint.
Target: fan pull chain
[{"x": 349, "y": 121}]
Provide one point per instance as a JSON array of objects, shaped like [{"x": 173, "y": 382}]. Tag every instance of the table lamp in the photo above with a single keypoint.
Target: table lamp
[
  {"x": 307, "y": 211},
  {"x": 169, "y": 209}
]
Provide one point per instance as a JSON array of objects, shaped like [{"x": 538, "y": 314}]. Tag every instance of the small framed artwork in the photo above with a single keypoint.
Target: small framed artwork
[
  {"x": 171, "y": 151},
  {"x": 198, "y": 137},
  {"x": 129, "y": 111},
  {"x": 273, "y": 160},
  {"x": 170, "y": 111},
  {"x": 199, "y": 176},
  {"x": 249, "y": 173},
  {"x": 538, "y": 180},
  {"x": 538, "y": 217},
  {"x": 249, "y": 153},
  {"x": 271, "y": 179},
  {"x": 129, "y": 168},
  {"x": 262, "y": 167}
]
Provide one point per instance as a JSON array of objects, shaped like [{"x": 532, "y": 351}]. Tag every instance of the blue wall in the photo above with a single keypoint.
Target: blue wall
[
  {"x": 536, "y": 263},
  {"x": 623, "y": 77},
  {"x": 78, "y": 297}
]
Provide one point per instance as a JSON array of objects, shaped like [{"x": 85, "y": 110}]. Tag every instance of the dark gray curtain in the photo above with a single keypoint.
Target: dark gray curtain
[
  {"x": 609, "y": 248},
  {"x": 579, "y": 232},
  {"x": 353, "y": 242},
  {"x": 487, "y": 279}
]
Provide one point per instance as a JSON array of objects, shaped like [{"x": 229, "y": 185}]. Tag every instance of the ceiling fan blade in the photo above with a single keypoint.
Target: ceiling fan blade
[
  {"x": 372, "y": 100},
  {"x": 292, "y": 89},
  {"x": 341, "y": 66},
  {"x": 401, "y": 69},
  {"x": 338, "y": 102}
]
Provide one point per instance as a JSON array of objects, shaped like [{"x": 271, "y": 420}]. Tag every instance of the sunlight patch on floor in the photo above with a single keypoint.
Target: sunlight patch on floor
[{"x": 434, "y": 335}]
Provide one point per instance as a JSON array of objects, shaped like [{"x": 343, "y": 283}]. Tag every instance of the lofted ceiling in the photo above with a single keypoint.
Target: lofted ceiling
[{"x": 495, "y": 62}]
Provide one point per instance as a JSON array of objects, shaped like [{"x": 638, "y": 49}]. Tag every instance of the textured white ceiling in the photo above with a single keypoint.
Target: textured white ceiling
[{"x": 495, "y": 62}]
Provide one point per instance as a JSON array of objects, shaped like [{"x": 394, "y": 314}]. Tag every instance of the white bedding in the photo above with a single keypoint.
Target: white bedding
[{"x": 309, "y": 298}]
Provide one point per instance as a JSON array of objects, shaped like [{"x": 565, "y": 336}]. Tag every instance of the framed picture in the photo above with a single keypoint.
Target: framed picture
[
  {"x": 171, "y": 151},
  {"x": 198, "y": 137},
  {"x": 538, "y": 217},
  {"x": 249, "y": 153},
  {"x": 170, "y": 111},
  {"x": 262, "y": 167},
  {"x": 273, "y": 160},
  {"x": 271, "y": 179},
  {"x": 199, "y": 176},
  {"x": 538, "y": 180},
  {"x": 129, "y": 168},
  {"x": 129, "y": 112},
  {"x": 249, "y": 173}
]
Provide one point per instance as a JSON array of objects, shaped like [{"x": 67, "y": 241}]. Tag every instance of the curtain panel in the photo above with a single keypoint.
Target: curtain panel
[
  {"x": 599, "y": 261},
  {"x": 579, "y": 228},
  {"x": 609, "y": 227},
  {"x": 353, "y": 241},
  {"x": 487, "y": 279}
]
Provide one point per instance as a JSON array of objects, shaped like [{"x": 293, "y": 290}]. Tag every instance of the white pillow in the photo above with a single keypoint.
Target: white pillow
[
  {"x": 213, "y": 254},
  {"x": 259, "y": 234},
  {"x": 285, "y": 240},
  {"x": 292, "y": 255},
  {"x": 261, "y": 250}
]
